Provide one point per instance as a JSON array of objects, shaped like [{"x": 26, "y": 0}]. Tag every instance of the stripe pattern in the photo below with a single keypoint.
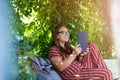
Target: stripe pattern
[{"x": 92, "y": 67}]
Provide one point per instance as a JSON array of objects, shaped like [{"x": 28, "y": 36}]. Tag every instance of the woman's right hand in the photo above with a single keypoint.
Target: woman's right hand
[{"x": 77, "y": 50}]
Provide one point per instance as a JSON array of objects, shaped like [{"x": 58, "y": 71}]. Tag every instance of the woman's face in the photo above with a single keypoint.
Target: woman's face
[{"x": 63, "y": 35}]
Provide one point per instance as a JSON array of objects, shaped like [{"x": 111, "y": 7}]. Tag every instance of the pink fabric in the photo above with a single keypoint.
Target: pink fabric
[{"x": 92, "y": 67}]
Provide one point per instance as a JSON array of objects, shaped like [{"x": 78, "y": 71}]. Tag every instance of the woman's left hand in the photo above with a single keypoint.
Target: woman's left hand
[{"x": 84, "y": 53}]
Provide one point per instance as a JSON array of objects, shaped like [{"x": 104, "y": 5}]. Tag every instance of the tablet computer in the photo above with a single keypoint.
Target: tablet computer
[{"x": 83, "y": 40}]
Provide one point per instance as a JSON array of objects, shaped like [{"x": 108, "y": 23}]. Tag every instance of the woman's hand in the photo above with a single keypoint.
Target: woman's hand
[
  {"x": 77, "y": 50},
  {"x": 84, "y": 53}
]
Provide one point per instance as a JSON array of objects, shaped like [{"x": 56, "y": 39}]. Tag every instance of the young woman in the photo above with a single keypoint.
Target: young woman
[{"x": 89, "y": 66}]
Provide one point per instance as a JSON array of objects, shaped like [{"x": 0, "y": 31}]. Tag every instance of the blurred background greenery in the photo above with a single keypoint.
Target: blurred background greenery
[{"x": 34, "y": 19}]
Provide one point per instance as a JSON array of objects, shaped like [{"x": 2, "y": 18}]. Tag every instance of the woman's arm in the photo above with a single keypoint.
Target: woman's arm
[{"x": 60, "y": 64}]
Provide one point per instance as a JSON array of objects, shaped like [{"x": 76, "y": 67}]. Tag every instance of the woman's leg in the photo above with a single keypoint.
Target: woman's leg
[
  {"x": 94, "y": 59},
  {"x": 95, "y": 64},
  {"x": 97, "y": 74}
]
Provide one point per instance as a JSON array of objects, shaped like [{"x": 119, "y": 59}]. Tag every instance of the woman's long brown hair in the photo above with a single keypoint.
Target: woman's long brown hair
[{"x": 68, "y": 49}]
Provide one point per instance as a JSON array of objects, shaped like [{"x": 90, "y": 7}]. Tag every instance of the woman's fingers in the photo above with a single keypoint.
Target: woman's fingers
[
  {"x": 87, "y": 50},
  {"x": 83, "y": 54},
  {"x": 78, "y": 46},
  {"x": 78, "y": 49}
]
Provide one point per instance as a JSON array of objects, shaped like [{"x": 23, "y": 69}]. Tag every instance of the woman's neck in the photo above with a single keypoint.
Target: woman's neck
[{"x": 62, "y": 45}]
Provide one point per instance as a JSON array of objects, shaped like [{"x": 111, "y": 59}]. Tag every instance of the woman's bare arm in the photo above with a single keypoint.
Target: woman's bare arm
[{"x": 60, "y": 64}]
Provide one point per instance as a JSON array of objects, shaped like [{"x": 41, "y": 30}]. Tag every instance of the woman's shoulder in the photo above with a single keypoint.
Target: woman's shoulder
[
  {"x": 54, "y": 48},
  {"x": 54, "y": 51}
]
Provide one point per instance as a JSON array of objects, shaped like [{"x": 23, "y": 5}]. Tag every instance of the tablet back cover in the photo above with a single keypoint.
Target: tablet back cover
[{"x": 83, "y": 40}]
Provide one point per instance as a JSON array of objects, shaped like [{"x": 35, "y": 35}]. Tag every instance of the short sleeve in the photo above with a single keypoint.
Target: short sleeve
[{"x": 54, "y": 51}]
